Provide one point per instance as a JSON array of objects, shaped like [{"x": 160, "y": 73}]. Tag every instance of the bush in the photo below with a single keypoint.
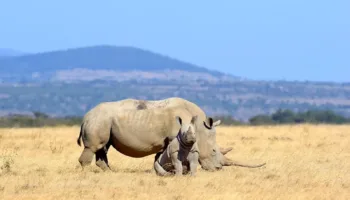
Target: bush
[
  {"x": 228, "y": 120},
  {"x": 261, "y": 120}
]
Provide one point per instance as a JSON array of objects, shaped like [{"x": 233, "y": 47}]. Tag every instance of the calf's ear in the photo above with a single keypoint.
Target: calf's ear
[{"x": 179, "y": 120}]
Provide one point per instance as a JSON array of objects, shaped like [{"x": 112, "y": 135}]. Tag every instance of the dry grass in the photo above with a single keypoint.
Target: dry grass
[{"x": 303, "y": 162}]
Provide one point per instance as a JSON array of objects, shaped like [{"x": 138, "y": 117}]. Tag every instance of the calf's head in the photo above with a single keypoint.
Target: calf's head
[{"x": 187, "y": 132}]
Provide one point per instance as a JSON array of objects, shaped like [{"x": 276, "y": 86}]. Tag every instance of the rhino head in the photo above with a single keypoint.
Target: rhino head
[{"x": 211, "y": 158}]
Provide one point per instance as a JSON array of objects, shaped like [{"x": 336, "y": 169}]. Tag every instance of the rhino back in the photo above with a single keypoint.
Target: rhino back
[
  {"x": 142, "y": 132},
  {"x": 175, "y": 102}
]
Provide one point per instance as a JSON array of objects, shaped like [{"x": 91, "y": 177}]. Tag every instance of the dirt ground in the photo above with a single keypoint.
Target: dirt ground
[{"x": 303, "y": 162}]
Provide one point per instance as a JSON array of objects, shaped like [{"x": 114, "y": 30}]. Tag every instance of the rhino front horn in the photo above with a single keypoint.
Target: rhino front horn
[{"x": 229, "y": 162}]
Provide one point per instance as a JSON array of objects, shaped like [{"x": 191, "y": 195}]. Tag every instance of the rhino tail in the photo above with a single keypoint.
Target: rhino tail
[
  {"x": 80, "y": 134},
  {"x": 160, "y": 170}
]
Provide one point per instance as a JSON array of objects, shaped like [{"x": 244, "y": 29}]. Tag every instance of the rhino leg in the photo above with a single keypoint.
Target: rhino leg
[
  {"x": 101, "y": 158},
  {"x": 193, "y": 162},
  {"x": 86, "y": 157},
  {"x": 177, "y": 164}
]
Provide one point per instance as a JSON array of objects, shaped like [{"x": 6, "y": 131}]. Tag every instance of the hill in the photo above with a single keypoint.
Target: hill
[
  {"x": 72, "y": 81},
  {"x": 96, "y": 63},
  {"x": 6, "y": 52}
]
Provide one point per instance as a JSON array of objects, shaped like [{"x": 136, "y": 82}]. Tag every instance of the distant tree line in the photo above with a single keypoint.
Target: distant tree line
[
  {"x": 289, "y": 117},
  {"x": 39, "y": 119}
]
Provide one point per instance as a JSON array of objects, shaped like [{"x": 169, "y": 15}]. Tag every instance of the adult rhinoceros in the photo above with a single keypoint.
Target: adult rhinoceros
[{"x": 121, "y": 123}]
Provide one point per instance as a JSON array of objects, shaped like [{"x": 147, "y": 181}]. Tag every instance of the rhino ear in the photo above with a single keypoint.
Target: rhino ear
[
  {"x": 217, "y": 123},
  {"x": 194, "y": 119},
  {"x": 209, "y": 125},
  {"x": 179, "y": 120}
]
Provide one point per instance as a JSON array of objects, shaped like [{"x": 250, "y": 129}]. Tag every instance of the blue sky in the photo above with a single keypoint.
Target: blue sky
[{"x": 269, "y": 40}]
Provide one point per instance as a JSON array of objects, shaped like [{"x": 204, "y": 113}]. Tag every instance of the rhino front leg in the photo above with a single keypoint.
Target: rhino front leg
[
  {"x": 177, "y": 164},
  {"x": 193, "y": 160}
]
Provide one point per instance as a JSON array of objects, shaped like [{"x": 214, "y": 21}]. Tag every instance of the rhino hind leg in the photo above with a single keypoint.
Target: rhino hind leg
[
  {"x": 86, "y": 157},
  {"x": 101, "y": 158}
]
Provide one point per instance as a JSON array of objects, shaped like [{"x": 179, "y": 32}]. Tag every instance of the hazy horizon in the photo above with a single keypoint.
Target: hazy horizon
[{"x": 268, "y": 40}]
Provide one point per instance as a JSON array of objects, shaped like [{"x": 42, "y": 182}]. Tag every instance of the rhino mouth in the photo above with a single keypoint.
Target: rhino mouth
[{"x": 208, "y": 165}]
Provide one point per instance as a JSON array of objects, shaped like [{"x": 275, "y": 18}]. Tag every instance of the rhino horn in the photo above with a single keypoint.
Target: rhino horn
[
  {"x": 225, "y": 150},
  {"x": 229, "y": 162}
]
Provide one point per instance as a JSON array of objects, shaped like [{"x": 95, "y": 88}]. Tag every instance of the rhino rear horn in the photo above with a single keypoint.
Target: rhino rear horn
[{"x": 225, "y": 150}]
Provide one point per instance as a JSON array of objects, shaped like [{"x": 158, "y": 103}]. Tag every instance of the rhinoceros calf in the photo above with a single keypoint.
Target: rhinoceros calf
[{"x": 181, "y": 152}]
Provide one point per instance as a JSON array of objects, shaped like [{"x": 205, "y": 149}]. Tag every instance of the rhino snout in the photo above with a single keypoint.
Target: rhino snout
[{"x": 218, "y": 167}]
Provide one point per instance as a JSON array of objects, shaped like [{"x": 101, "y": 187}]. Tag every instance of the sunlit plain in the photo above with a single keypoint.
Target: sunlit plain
[{"x": 302, "y": 162}]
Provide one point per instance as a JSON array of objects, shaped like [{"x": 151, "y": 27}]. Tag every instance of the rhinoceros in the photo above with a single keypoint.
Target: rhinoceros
[{"x": 126, "y": 125}]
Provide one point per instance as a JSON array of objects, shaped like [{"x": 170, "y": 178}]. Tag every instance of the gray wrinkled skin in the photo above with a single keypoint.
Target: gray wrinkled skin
[{"x": 131, "y": 128}]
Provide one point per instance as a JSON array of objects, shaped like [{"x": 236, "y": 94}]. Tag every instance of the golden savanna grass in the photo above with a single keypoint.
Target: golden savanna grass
[{"x": 303, "y": 162}]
